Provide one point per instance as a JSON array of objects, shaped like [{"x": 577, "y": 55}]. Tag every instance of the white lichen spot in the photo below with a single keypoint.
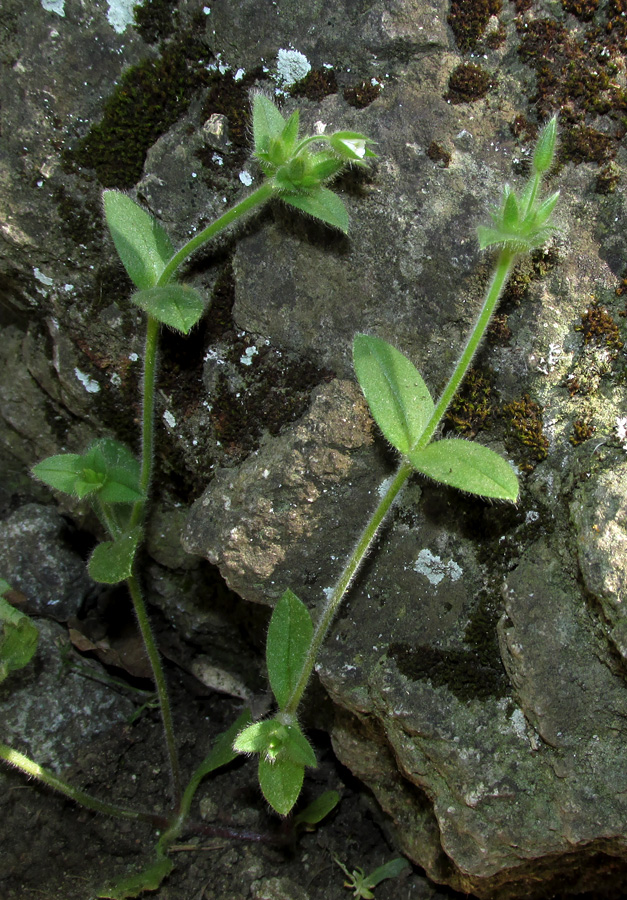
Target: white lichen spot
[
  {"x": 217, "y": 159},
  {"x": 55, "y": 6},
  {"x": 43, "y": 279},
  {"x": 519, "y": 723},
  {"x": 90, "y": 384},
  {"x": 532, "y": 516},
  {"x": 246, "y": 178},
  {"x": 292, "y": 66},
  {"x": 247, "y": 357},
  {"x": 169, "y": 419},
  {"x": 120, "y": 14},
  {"x": 621, "y": 430},
  {"x": 133, "y": 357},
  {"x": 432, "y": 567},
  {"x": 239, "y": 74},
  {"x": 115, "y": 379}
]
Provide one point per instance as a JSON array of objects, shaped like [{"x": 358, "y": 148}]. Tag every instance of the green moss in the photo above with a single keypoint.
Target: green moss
[
  {"x": 473, "y": 405},
  {"x": 468, "y": 20},
  {"x": 583, "y": 9},
  {"x": 361, "y": 95},
  {"x": 154, "y": 19},
  {"x": 467, "y": 83},
  {"x": 598, "y": 326},
  {"x": 526, "y": 431},
  {"x": 150, "y": 98},
  {"x": 438, "y": 154},
  {"x": 316, "y": 85},
  {"x": 582, "y": 430}
]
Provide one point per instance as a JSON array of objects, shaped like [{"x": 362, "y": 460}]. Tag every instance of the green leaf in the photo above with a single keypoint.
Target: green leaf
[
  {"x": 321, "y": 203},
  {"x": 289, "y": 638},
  {"x": 120, "y": 470},
  {"x": 398, "y": 398},
  {"x": 142, "y": 243},
  {"x": 391, "y": 869},
  {"x": 112, "y": 561},
  {"x": 176, "y": 305},
  {"x": 296, "y": 746},
  {"x": 268, "y": 123},
  {"x": 318, "y": 809},
  {"x": 468, "y": 466},
  {"x": 60, "y": 472},
  {"x": 281, "y": 781},
  {"x": 18, "y": 637},
  {"x": 149, "y": 879},
  {"x": 289, "y": 135}
]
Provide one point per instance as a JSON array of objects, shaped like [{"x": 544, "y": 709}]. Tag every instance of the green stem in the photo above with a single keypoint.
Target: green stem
[
  {"x": 259, "y": 196},
  {"x": 504, "y": 266},
  {"x": 503, "y": 269},
  {"x": 160, "y": 685},
  {"x": 32, "y": 769}
]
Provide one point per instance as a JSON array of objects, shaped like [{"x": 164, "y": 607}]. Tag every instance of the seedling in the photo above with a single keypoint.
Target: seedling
[
  {"x": 118, "y": 486},
  {"x": 409, "y": 419},
  {"x": 363, "y": 885}
]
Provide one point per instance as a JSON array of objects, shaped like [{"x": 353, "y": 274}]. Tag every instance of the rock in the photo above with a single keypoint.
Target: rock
[
  {"x": 599, "y": 514},
  {"x": 77, "y": 706},
  {"x": 489, "y": 723},
  {"x": 37, "y": 558}
]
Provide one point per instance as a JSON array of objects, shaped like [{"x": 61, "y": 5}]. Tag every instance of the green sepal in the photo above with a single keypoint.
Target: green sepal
[
  {"x": 468, "y": 466},
  {"x": 318, "y": 809},
  {"x": 545, "y": 147},
  {"x": 18, "y": 636},
  {"x": 142, "y": 243},
  {"x": 257, "y": 738},
  {"x": 276, "y": 740},
  {"x": 112, "y": 561},
  {"x": 321, "y": 203},
  {"x": 281, "y": 781},
  {"x": 289, "y": 639},
  {"x": 149, "y": 879},
  {"x": 398, "y": 398},
  {"x": 176, "y": 305},
  {"x": 60, "y": 472}
]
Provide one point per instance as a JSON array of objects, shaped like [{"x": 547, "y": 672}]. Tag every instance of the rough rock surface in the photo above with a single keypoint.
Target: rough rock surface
[{"x": 477, "y": 669}]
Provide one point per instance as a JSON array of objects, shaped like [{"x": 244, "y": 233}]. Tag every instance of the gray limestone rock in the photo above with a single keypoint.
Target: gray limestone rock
[{"x": 477, "y": 667}]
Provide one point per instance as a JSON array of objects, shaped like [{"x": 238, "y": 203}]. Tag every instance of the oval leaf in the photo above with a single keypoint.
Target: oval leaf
[
  {"x": 112, "y": 561},
  {"x": 176, "y": 305},
  {"x": 468, "y": 466},
  {"x": 60, "y": 472},
  {"x": 398, "y": 398},
  {"x": 289, "y": 637},
  {"x": 323, "y": 204},
  {"x": 318, "y": 809},
  {"x": 280, "y": 782},
  {"x": 149, "y": 879},
  {"x": 142, "y": 243}
]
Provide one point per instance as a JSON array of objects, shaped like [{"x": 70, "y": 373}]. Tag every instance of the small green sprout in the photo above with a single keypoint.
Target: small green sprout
[{"x": 362, "y": 885}]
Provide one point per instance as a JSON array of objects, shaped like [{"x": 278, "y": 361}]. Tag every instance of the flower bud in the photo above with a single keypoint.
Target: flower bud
[{"x": 545, "y": 148}]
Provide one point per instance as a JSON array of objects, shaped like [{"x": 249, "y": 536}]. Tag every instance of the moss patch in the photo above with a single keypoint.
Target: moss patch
[
  {"x": 473, "y": 405},
  {"x": 150, "y": 98},
  {"x": 467, "y": 83},
  {"x": 468, "y": 20},
  {"x": 526, "y": 432},
  {"x": 361, "y": 95},
  {"x": 316, "y": 85}
]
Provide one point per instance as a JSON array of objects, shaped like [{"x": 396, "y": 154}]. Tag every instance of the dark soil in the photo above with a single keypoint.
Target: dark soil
[{"x": 54, "y": 850}]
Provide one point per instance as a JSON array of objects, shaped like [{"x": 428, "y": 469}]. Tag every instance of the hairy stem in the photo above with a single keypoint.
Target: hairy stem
[
  {"x": 504, "y": 266},
  {"x": 259, "y": 196},
  {"x": 34, "y": 770},
  {"x": 160, "y": 685}
]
